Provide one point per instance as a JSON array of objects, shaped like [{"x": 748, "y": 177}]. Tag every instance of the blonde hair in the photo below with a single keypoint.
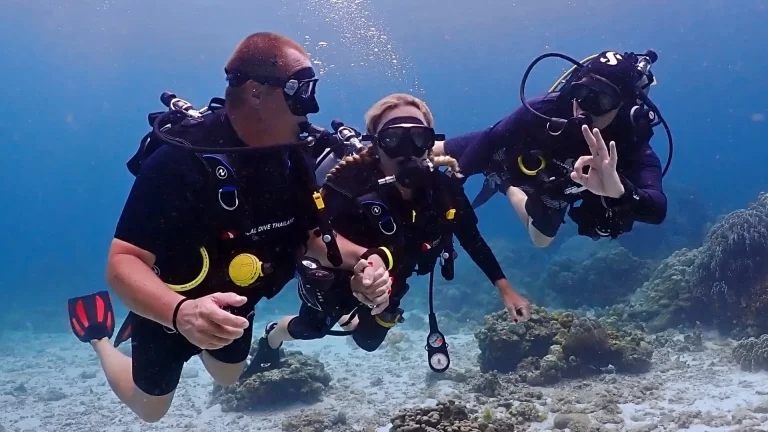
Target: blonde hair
[{"x": 373, "y": 118}]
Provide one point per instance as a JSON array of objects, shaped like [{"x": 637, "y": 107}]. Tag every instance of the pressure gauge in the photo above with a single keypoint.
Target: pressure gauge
[
  {"x": 435, "y": 340},
  {"x": 439, "y": 362}
]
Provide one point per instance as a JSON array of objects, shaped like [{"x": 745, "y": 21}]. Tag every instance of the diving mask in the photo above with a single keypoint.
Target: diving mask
[
  {"x": 405, "y": 141},
  {"x": 595, "y": 96},
  {"x": 397, "y": 140},
  {"x": 298, "y": 89}
]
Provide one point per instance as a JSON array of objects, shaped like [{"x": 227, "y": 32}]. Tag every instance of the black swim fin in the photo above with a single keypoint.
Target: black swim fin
[
  {"x": 92, "y": 317},
  {"x": 266, "y": 357},
  {"x": 124, "y": 334},
  {"x": 486, "y": 193}
]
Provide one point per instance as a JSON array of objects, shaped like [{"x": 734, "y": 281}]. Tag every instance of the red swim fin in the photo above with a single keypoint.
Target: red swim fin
[
  {"x": 124, "y": 334},
  {"x": 92, "y": 317}
]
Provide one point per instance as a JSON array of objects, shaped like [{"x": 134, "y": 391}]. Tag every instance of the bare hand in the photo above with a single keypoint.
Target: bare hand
[
  {"x": 602, "y": 178},
  {"x": 206, "y": 324},
  {"x": 377, "y": 305},
  {"x": 518, "y": 307},
  {"x": 371, "y": 284}
]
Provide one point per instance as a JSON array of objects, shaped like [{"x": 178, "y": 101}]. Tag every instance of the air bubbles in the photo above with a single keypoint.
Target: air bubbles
[{"x": 361, "y": 36}]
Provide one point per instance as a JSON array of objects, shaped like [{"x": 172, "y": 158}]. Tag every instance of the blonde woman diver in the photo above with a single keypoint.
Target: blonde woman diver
[{"x": 391, "y": 194}]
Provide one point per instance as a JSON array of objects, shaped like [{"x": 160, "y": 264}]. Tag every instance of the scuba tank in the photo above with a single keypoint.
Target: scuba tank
[{"x": 345, "y": 142}]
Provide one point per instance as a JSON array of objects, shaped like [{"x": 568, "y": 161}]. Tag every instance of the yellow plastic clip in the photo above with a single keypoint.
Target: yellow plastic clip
[
  {"x": 318, "y": 200},
  {"x": 450, "y": 214}
]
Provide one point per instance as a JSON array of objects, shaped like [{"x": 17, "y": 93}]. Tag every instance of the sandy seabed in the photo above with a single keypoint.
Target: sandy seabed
[{"x": 55, "y": 383}]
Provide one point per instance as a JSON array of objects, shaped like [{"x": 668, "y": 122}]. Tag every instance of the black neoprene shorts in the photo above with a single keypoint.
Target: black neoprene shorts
[{"x": 158, "y": 354}]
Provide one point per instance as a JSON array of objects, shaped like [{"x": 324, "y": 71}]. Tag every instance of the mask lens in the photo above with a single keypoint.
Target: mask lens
[
  {"x": 420, "y": 139},
  {"x": 423, "y": 138},
  {"x": 390, "y": 138},
  {"x": 594, "y": 101},
  {"x": 606, "y": 102},
  {"x": 580, "y": 92},
  {"x": 300, "y": 96},
  {"x": 306, "y": 88}
]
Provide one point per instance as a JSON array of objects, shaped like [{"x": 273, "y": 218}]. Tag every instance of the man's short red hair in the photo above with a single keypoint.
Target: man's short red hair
[{"x": 264, "y": 54}]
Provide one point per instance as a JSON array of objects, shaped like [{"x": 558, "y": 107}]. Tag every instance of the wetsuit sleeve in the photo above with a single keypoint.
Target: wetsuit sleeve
[
  {"x": 472, "y": 150},
  {"x": 469, "y": 237},
  {"x": 476, "y": 151},
  {"x": 643, "y": 195},
  {"x": 165, "y": 205}
]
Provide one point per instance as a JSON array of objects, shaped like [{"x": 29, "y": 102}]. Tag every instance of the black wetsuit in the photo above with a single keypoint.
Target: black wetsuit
[
  {"x": 176, "y": 206},
  {"x": 417, "y": 232},
  {"x": 495, "y": 151}
]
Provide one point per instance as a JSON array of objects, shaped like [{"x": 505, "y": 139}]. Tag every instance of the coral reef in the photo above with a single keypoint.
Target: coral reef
[
  {"x": 553, "y": 346},
  {"x": 315, "y": 421},
  {"x": 447, "y": 416},
  {"x": 603, "y": 278},
  {"x": 752, "y": 354},
  {"x": 691, "y": 342},
  {"x": 730, "y": 276},
  {"x": 665, "y": 301},
  {"x": 724, "y": 282},
  {"x": 299, "y": 379}
]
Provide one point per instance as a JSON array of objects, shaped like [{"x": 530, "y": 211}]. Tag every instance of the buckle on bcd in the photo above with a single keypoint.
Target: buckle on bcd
[
  {"x": 392, "y": 222},
  {"x": 229, "y": 194}
]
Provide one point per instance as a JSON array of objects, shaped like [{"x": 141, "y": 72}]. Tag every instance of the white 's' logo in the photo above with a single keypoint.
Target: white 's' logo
[{"x": 612, "y": 58}]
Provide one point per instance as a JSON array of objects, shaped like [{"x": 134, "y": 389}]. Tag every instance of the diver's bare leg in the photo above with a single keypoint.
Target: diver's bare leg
[
  {"x": 118, "y": 370},
  {"x": 518, "y": 198},
  {"x": 280, "y": 333},
  {"x": 225, "y": 374}
]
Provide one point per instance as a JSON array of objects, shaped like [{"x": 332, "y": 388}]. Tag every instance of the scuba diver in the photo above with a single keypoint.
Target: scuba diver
[
  {"x": 551, "y": 152},
  {"x": 389, "y": 194},
  {"x": 218, "y": 216}
]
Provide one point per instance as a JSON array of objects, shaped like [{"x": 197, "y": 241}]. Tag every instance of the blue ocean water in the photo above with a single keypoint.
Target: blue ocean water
[{"x": 80, "y": 77}]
